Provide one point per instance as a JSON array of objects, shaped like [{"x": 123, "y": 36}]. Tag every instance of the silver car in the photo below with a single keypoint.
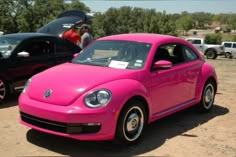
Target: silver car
[{"x": 230, "y": 49}]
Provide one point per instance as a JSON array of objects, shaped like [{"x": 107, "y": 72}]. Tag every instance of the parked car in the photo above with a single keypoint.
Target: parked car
[
  {"x": 230, "y": 49},
  {"x": 116, "y": 86},
  {"x": 210, "y": 51},
  {"x": 25, "y": 54}
]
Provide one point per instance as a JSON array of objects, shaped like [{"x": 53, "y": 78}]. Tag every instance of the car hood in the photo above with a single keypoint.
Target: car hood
[{"x": 68, "y": 81}]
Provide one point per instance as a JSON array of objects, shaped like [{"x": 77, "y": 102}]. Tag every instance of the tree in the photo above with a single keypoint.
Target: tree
[
  {"x": 185, "y": 23},
  {"x": 213, "y": 38},
  {"x": 29, "y": 15},
  {"x": 201, "y": 19}
]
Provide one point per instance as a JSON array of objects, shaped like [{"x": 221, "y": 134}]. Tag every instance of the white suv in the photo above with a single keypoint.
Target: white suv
[{"x": 230, "y": 49}]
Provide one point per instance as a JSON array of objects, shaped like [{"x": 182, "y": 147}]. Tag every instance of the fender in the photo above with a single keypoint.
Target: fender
[
  {"x": 205, "y": 74},
  {"x": 131, "y": 87}
]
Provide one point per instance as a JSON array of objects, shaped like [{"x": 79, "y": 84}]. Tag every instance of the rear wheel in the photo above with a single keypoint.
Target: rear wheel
[
  {"x": 211, "y": 54},
  {"x": 208, "y": 96},
  {"x": 131, "y": 123},
  {"x": 3, "y": 90}
]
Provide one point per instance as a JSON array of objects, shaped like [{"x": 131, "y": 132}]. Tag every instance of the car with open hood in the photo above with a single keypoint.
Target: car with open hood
[
  {"x": 64, "y": 21},
  {"x": 116, "y": 86}
]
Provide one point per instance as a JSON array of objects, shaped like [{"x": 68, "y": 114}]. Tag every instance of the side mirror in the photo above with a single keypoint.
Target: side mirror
[
  {"x": 163, "y": 64},
  {"x": 23, "y": 54}
]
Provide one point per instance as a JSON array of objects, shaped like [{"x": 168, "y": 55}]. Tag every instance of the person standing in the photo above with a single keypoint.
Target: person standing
[
  {"x": 72, "y": 33},
  {"x": 86, "y": 37}
]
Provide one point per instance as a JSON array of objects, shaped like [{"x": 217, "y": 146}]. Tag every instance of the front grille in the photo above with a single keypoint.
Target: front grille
[{"x": 70, "y": 128}]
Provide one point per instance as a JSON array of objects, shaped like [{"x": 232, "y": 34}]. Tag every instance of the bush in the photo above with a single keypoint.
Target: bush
[
  {"x": 213, "y": 38},
  {"x": 234, "y": 38}
]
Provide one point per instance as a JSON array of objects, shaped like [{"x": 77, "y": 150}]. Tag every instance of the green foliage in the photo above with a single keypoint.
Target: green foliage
[
  {"x": 228, "y": 19},
  {"x": 185, "y": 23},
  {"x": 213, "y": 38},
  {"x": 201, "y": 19},
  {"x": 128, "y": 19},
  {"x": 234, "y": 38},
  {"x": 29, "y": 15}
]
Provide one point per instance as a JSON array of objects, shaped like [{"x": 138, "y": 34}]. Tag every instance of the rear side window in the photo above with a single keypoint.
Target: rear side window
[{"x": 64, "y": 46}]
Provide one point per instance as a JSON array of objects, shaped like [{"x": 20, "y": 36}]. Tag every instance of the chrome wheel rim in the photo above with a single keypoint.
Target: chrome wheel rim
[
  {"x": 133, "y": 123},
  {"x": 2, "y": 90},
  {"x": 209, "y": 96}
]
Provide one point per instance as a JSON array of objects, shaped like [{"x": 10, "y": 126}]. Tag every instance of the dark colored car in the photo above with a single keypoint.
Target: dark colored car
[{"x": 25, "y": 54}]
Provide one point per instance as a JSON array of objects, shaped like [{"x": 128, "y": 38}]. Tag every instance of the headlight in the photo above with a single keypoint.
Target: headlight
[
  {"x": 97, "y": 98},
  {"x": 26, "y": 85}
]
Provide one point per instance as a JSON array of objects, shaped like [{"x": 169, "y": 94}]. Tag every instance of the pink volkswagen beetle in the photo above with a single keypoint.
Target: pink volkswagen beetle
[{"x": 116, "y": 86}]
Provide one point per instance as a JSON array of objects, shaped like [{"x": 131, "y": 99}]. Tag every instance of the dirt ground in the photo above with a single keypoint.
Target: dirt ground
[{"x": 186, "y": 133}]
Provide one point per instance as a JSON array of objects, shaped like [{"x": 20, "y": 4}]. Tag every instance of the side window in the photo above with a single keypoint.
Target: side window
[
  {"x": 234, "y": 45},
  {"x": 163, "y": 53},
  {"x": 64, "y": 46},
  {"x": 38, "y": 47},
  {"x": 196, "y": 41},
  {"x": 189, "y": 54},
  {"x": 228, "y": 45},
  {"x": 175, "y": 53}
]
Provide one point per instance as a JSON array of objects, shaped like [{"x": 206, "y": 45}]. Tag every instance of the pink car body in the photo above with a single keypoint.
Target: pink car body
[{"x": 57, "y": 101}]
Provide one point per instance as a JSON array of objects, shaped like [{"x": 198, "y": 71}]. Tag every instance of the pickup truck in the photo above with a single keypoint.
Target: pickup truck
[{"x": 210, "y": 51}]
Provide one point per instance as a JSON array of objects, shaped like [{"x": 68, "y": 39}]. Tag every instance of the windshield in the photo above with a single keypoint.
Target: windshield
[
  {"x": 114, "y": 53},
  {"x": 7, "y": 45}
]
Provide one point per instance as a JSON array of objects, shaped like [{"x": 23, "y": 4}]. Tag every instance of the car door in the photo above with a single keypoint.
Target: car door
[
  {"x": 174, "y": 87},
  {"x": 38, "y": 59},
  {"x": 64, "y": 50},
  {"x": 234, "y": 49}
]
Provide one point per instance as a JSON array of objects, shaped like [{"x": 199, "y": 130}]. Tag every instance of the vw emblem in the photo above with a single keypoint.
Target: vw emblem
[{"x": 47, "y": 93}]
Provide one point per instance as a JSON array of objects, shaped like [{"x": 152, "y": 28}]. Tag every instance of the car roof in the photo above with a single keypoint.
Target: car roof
[
  {"x": 228, "y": 42},
  {"x": 140, "y": 37},
  {"x": 194, "y": 38},
  {"x": 26, "y": 35}
]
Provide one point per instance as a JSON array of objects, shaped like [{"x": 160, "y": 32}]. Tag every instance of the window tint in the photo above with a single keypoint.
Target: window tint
[
  {"x": 175, "y": 53},
  {"x": 234, "y": 45},
  {"x": 189, "y": 54},
  {"x": 194, "y": 41},
  {"x": 64, "y": 46},
  {"x": 227, "y": 44},
  {"x": 38, "y": 47}
]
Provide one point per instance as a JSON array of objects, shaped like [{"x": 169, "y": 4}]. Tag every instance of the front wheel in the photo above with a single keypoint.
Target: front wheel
[
  {"x": 3, "y": 90},
  {"x": 131, "y": 123},
  {"x": 211, "y": 54},
  {"x": 228, "y": 55},
  {"x": 208, "y": 96}
]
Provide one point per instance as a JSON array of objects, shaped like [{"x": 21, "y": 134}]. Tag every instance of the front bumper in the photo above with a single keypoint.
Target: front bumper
[{"x": 68, "y": 121}]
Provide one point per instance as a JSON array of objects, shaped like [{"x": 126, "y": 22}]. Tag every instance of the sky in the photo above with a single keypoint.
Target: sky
[{"x": 170, "y": 6}]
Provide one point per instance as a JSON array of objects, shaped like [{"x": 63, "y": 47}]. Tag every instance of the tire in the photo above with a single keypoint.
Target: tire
[
  {"x": 131, "y": 123},
  {"x": 208, "y": 96},
  {"x": 3, "y": 90},
  {"x": 211, "y": 54},
  {"x": 228, "y": 55}
]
